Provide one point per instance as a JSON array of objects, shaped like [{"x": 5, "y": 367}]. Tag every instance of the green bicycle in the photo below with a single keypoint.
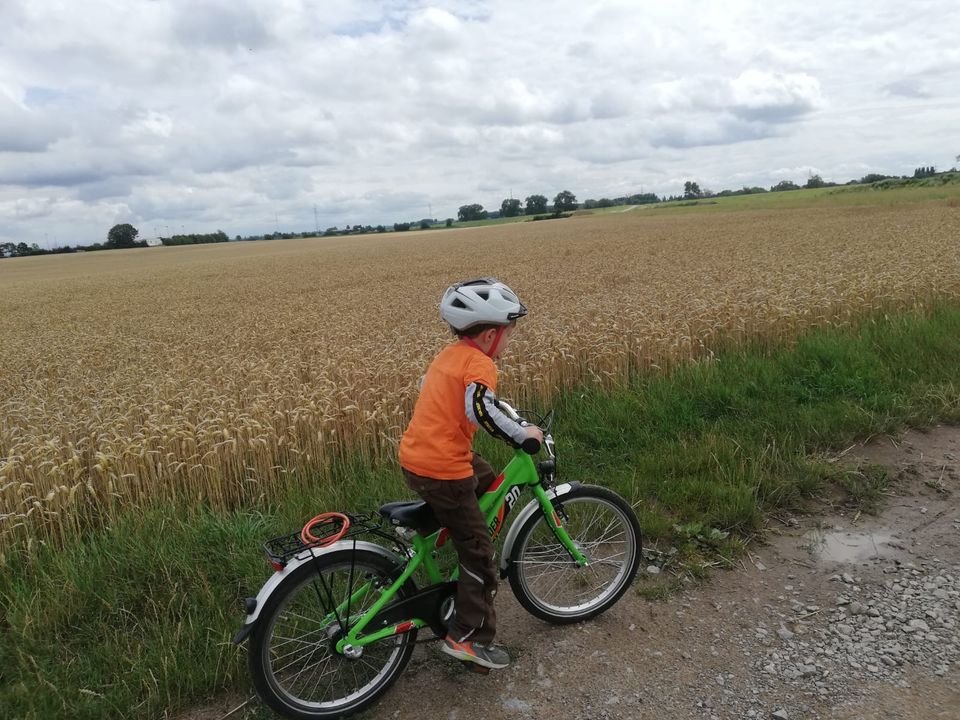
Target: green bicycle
[{"x": 335, "y": 625}]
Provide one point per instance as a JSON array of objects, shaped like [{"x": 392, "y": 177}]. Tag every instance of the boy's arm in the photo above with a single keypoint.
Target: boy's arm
[{"x": 482, "y": 410}]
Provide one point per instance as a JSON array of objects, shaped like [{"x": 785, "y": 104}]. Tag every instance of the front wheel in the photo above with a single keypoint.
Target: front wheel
[
  {"x": 292, "y": 655},
  {"x": 547, "y": 580}
]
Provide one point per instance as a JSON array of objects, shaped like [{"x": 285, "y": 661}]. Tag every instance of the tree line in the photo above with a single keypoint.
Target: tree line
[
  {"x": 196, "y": 238},
  {"x": 692, "y": 190},
  {"x": 564, "y": 201},
  {"x": 124, "y": 235}
]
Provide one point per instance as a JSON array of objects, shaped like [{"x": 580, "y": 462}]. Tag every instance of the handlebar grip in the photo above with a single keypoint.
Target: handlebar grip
[{"x": 531, "y": 446}]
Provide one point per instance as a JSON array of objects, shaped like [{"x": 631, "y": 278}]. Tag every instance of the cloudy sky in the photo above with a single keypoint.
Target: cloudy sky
[{"x": 243, "y": 115}]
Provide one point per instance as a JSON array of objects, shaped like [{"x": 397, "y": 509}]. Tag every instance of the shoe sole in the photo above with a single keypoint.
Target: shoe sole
[{"x": 467, "y": 657}]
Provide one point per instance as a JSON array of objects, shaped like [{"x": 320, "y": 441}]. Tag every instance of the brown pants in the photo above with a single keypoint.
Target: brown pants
[{"x": 454, "y": 502}]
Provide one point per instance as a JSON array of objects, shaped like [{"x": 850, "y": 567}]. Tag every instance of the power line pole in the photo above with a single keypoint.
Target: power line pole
[{"x": 316, "y": 218}]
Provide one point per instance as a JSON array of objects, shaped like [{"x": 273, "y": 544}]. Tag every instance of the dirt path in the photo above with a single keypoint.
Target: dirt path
[{"x": 837, "y": 616}]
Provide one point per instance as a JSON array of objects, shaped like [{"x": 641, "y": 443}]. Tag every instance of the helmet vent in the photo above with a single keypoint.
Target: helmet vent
[
  {"x": 458, "y": 303},
  {"x": 483, "y": 294}
]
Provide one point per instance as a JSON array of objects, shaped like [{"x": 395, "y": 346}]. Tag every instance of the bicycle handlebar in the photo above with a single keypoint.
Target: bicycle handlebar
[
  {"x": 531, "y": 445},
  {"x": 509, "y": 411}
]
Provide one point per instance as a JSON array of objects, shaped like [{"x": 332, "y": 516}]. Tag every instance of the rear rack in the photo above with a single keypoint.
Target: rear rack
[{"x": 280, "y": 550}]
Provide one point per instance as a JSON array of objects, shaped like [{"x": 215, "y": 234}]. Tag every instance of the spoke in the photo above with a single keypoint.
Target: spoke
[
  {"x": 304, "y": 655},
  {"x": 585, "y": 532},
  {"x": 291, "y": 613},
  {"x": 334, "y": 670},
  {"x": 596, "y": 511},
  {"x": 556, "y": 564},
  {"x": 300, "y": 653},
  {"x": 312, "y": 646},
  {"x": 320, "y": 677},
  {"x": 301, "y": 671},
  {"x": 296, "y": 640},
  {"x": 547, "y": 573},
  {"x": 546, "y": 557},
  {"x": 331, "y": 684},
  {"x": 306, "y": 677},
  {"x": 560, "y": 561},
  {"x": 560, "y": 576},
  {"x": 604, "y": 535},
  {"x": 356, "y": 683}
]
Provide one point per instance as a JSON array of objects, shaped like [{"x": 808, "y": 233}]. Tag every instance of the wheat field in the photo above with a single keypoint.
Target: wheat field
[{"x": 218, "y": 374}]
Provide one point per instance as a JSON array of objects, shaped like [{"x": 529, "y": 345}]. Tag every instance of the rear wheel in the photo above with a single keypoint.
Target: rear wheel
[
  {"x": 294, "y": 663},
  {"x": 547, "y": 580}
]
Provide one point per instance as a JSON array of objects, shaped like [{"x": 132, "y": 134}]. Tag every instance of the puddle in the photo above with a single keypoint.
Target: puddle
[{"x": 846, "y": 547}]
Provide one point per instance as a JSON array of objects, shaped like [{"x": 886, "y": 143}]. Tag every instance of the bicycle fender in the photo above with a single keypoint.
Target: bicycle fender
[
  {"x": 529, "y": 509},
  {"x": 254, "y": 605}
]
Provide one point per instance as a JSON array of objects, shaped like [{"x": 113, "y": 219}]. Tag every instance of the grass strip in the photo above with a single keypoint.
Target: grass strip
[{"x": 135, "y": 620}]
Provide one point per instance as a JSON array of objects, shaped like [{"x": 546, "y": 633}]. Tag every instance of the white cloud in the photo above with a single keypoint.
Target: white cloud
[
  {"x": 238, "y": 114},
  {"x": 774, "y": 97},
  {"x": 24, "y": 129}
]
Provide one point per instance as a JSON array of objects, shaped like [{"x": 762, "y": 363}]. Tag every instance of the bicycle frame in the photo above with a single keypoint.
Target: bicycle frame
[{"x": 495, "y": 504}]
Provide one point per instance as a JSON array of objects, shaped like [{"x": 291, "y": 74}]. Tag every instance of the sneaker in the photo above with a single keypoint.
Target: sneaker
[{"x": 489, "y": 656}]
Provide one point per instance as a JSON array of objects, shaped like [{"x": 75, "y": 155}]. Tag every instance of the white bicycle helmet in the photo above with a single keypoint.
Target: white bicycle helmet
[{"x": 484, "y": 301}]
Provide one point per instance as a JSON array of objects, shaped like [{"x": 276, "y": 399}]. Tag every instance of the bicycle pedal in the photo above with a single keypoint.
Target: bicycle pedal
[{"x": 479, "y": 669}]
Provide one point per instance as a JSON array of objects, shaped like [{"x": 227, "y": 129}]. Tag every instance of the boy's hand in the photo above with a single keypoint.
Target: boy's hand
[
  {"x": 534, "y": 440},
  {"x": 534, "y": 432}
]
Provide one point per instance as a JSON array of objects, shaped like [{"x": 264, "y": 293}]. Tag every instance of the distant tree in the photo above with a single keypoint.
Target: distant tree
[
  {"x": 535, "y": 204},
  {"x": 784, "y": 185},
  {"x": 565, "y": 200},
  {"x": 925, "y": 172},
  {"x": 401, "y": 227},
  {"x": 449, "y": 222},
  {"x": 466, "y": 213},
  {"x": 425, "y": 224},
  {"x": 814, "y": 181},
  {"x": 691, "y": 190},
  {"x": 641, "y": 199},
  {"x": 873, "y": 177},
  {"x": 510, "y": 208},
  {"x": 122, "y": 236}
]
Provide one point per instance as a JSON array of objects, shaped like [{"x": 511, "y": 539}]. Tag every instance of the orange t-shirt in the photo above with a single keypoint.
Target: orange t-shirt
[{"x": 439, "y": 438}]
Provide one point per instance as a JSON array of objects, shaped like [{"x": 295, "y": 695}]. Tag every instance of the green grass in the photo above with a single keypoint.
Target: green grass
[
  {"x": 944, "y": 187},
  {"x": 136, "y": 619}
]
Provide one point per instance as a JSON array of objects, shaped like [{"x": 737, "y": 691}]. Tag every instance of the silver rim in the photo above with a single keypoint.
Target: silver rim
[
  {"x": 300, "y": 661},
  {"x": 551, "y": 578}
]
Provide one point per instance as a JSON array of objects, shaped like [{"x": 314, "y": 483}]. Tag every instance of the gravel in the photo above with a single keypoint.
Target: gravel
[{"x": 875, "y": 631}]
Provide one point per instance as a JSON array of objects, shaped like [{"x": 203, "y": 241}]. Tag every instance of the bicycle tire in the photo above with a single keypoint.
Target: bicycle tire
[
  {"x": 263, "y": 652},
  {"x": 536, "y": 544}
]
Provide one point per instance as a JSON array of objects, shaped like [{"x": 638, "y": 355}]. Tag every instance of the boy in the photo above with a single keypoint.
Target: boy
[{"x": 457, "y": 396}]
